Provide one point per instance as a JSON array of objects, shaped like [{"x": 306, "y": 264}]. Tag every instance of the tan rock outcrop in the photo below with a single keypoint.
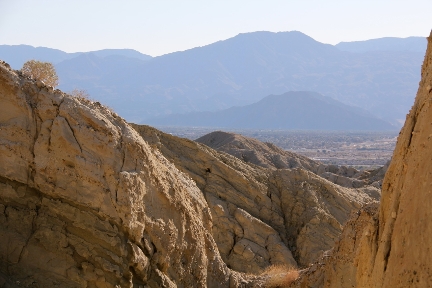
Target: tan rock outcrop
[
  {"x": 250, "y": 150},
  {"x": 391, "y": 248},
  {"x": 270, "y": 156},
  {"x": 315, "y": 210},
  {"x": 337, "y": 267},
  {"x": 247, "y": 225},
  {"x": 262, "y": 216},
  {"x": 85, "y": 202}
]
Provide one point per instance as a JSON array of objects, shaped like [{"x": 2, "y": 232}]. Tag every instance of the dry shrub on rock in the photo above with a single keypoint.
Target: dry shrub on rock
[
  {"x": 84, "y": 96},
  {"x": 42, "y": 71},
  {"x": 80, "y": 94},
  {"x": 279, "y": 276}
]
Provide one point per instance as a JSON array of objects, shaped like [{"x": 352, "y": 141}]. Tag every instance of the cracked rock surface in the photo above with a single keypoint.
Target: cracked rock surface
[
  {"x": 88, "y": 201},
  {"x": 262, "y": 216},
  {"x": 270, "y": 156},
  {"x": 85, "y": 202},
  {"x": 253, "y": 151}
]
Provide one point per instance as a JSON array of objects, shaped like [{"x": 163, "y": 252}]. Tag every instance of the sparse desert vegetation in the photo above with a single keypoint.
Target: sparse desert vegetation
[
  {"x": 278, "y": 276},
  {"x": 42, "y": 71}
]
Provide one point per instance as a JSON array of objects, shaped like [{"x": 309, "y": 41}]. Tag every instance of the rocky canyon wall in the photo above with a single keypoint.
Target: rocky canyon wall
[
  {"x": 391, "y": 246},
  {"x": 88, "y": 200},
  {"x": 402, "y": 247},
  {"x": 263, "y": 216},
  {"x": 85, "y": 202}
]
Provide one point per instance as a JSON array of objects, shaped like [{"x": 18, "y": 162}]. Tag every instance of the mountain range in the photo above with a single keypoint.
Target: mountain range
[
  {"x": 413, "y": 44},
  {"x": 379, "y": 75},
  {"x": 89, "y": 200},
  {"x": 17, "y": 55},
  {"x": 300, "y": 110}
]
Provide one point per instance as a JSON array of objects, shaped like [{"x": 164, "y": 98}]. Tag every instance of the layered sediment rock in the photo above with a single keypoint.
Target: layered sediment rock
[
  {"x": 263, "y": 216},
  {"x": 85, "y": 202},
  {"x": 250, "y": 150},
  {"x": 247, "y": 224},
  {"x": 270, "y": 156},
  {"x": 88, "y": 201}
]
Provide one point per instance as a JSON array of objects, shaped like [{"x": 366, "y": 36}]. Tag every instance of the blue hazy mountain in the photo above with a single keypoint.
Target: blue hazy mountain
[
  {"x": 413, "y": 44},
  {"x": 301, "y": 110},
  {"x": 17, "y": 55},
  {"x": 242, "y": 70}
]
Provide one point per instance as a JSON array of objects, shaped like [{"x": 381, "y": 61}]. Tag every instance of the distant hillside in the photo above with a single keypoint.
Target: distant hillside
[
  {"x": 268, "y": 155},
  {"x": 87, "y": 69},
  {"x": 253, "y": 151},
  {"x": 293, "y": 110},
  {"x": 16, "y": 55},
  {"x": 242, "y": 70},
  {"x": 413, "y": 44}
]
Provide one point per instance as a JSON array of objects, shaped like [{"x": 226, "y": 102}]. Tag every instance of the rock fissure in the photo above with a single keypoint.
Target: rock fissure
[{"x": 73, "y": 134}]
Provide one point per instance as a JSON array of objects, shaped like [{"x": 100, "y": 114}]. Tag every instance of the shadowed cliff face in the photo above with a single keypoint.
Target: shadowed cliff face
[
  {"x": 85, "y": 202},
  {"x": 390, "y": 246}
]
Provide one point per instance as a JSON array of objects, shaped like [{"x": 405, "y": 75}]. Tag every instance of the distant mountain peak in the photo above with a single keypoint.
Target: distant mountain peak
[
  {"x": 238, "y": 71},
  {"x": 294, "y": 110},
  {"x": 16, "y": 55}
]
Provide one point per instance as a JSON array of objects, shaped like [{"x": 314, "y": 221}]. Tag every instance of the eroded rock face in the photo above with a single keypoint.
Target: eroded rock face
[
  {"x": 270, "y": 156},
  {"x": 392, "y": 247},
  {"x": 247, "y": 225},
  {"x": 253, "y": 151},
  {"x": 400, "y": 253},
  {"x": 262, "y": 216},
  {"x": 337, "y": 268},
  {"x": 85, "y": 202},
  {"x": 315, "y": 210}
]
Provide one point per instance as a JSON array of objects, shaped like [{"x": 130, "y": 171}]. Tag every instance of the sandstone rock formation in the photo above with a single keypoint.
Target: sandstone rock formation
[
  {"x": 85, "y": 202},
  {"x": 270, "y": 156},
  {"x": 352, "y": 178},
  {"x": 253, "y": 151},
  {"x": 337, "y": 267},
  {"x": 391, "y": 247},
  {"x": 262, "y": 216}
]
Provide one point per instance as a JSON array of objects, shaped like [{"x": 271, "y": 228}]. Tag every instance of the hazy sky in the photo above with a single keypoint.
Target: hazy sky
[{"x": 160, "y": 26}]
